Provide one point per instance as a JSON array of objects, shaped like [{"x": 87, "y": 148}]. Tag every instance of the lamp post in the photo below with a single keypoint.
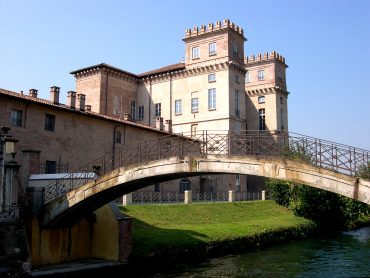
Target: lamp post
[{"x": 7, "y": 147}]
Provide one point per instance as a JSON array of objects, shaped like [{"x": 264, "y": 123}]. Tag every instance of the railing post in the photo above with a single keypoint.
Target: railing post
[
  {"x": 231, "y": 196},
  {"x": 206, "y": 142},
  {"x": 228, "y": 143},
  {"x": 320, "y": 153},
  {"x": 187, "y": 197}
]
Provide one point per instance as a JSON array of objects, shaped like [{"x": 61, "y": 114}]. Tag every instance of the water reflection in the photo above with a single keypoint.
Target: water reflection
[{"x": 344, "y": 255}]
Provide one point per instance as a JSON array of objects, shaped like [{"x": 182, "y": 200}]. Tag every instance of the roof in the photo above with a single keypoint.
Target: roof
[
  {"x": 62, "y": 107},
  {"x": 166, "y": 69},
  {"x": 106, "y": 66}
]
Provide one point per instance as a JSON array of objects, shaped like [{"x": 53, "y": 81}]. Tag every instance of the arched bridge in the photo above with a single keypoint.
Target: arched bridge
[{"x": 286, "y": 156}]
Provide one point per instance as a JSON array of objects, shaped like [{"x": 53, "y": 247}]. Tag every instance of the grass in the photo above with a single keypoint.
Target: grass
[{"x": 159, "y": 229}]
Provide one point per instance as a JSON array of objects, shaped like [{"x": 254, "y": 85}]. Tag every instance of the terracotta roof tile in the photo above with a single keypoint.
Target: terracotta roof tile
[
  {"x": 66, "y": 108},
  {"x": 170, "y": 68},
  {"x": 103, "y": 65}
]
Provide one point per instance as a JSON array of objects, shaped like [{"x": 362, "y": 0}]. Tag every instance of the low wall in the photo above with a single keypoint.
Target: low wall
[{"x": 106, "y": 234}]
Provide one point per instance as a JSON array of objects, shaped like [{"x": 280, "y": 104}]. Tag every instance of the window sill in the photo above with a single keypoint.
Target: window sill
[
  {"x": 211, "y": 109},
  {"x": 194, "y": 112},
  {"x": 212, "y": 54},
  {"x": 197, "y": 58},
  {"x": 178, "y": 114}
]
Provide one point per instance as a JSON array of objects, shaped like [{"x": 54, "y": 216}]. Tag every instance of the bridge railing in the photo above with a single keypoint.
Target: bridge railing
[{"x": 321, "y": 153}]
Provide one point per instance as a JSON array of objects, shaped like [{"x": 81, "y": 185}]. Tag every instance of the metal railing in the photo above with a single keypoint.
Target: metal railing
[
  {"x": 9, "y": 213},
  {"x": 317, "y": 152},
  {"x": 176, "y": 197}
]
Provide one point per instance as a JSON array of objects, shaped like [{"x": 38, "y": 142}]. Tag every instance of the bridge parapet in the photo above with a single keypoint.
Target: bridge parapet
[{"x": 316, "y": 152}]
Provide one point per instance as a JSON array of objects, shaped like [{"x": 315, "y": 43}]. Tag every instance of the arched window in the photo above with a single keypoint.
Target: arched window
[
  {"x": 185, "y": 184},
  {"x": 118, "y": 137}
]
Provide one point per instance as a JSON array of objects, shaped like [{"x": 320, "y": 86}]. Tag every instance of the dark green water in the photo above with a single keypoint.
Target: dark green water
[{"x": 343, "y": 255}]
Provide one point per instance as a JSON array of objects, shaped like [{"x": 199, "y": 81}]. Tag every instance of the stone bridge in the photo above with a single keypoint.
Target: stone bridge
[{"x": 285, "y": 156}]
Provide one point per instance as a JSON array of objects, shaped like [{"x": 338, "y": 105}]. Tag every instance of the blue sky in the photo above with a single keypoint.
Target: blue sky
[{"x": 326, "y": 45}]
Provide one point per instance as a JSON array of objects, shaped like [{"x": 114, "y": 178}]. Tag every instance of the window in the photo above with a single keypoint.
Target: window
[
  {"x": 212, "y": 49},
  {"x": 185, "y": 184},
  {"x": 281, "y": 100},
  {"x": 195, "y": 52},
  {"x": 178, "y": 108},
  {"x": 116, "y": 105},
  {"x": 157, "y": 109},
  {"x": 261, "y": 75},
  {"x": 236, "y": 78},
  {"x": 262, "y": 119},
  {"x": 211, "y": 99},
  {"x": 194, "y": 105},
  {"x": 17, "y": 116},
  {"x": 141, "y": 113},
  {"x": 280, "y": 76},
  {"x": 133, "y": 110},
  {"x": 261, "y": 99},
  {"x": 118, "y": 137},
  {"x": 235, "y": 49},
  {"x": 49, "y": 122},
  {"x": 237, "y": 182},
  {"x": 50, "y": 167},
  {"x": 237, "y": 105},
  {"x": 212, "y": 77},
  {"x": 281, "y": 119},
  {"x": 157, "y": 188},
  {"x": 194, "y": 129},
  {"x": 247, "y": 77}
]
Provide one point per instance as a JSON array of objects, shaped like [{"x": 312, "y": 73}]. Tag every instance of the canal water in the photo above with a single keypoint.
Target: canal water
[{"x": 344, "y": 255}]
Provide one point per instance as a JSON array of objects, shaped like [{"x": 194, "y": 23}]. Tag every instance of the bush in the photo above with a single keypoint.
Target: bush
[{"x": 327, "y": 209}]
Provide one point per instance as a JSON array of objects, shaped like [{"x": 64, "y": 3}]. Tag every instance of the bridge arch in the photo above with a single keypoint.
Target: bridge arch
[{"x": 74, "y": 204}]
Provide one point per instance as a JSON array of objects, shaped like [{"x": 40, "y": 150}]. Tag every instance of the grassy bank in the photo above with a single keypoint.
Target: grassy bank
[{"x": 178, "y": 231}]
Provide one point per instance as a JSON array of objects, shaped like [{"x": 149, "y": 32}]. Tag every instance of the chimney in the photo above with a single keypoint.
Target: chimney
[
  {"x": 126, "y": 117},
  {"x": 159, "y": 123},
  {"x": 33, "y": 93},
  {"x": 81, "y": 99},
  {"x": 168, "y": 125},
  {"x": 88, "y": 108},
  {"x": 54, "y": 94},
  {"x": 71, "y": 100}
]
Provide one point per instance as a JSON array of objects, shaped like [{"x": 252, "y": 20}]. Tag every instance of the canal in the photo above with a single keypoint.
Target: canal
[{"x": 343, "y": 255}]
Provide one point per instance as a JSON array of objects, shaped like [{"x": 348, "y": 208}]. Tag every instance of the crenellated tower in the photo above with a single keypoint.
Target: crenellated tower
[
  {"x": 214, "y": 41},
  {"x": 266, "y": 89}
]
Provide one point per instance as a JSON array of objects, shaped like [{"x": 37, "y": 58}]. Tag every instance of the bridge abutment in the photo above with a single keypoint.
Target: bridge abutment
[{"x": 105, "y": 234}]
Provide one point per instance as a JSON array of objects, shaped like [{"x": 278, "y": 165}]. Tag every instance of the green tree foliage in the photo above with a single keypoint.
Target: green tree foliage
[{"x": 327, "y": 209}]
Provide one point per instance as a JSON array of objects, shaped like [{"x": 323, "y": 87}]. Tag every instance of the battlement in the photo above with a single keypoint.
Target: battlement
[
  {"x": 264, "y": 57},
  {"x": 226, "y": 24}
]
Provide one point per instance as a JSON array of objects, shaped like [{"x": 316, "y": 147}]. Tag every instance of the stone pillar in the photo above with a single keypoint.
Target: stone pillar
[
  {"x": 231, "y": 196},
  {"x": 188, "y": 197},
  {"x": 71, "y": 99},
  {"x": 263, "y": 195},
  {"x": 127, "y": 199},
  {"x": 54, "y": 94},
  {"x": 81, "y": 100},
  {"x": 125, "y": 238}
]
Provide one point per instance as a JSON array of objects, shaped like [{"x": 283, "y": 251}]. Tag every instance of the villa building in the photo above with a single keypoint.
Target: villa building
[{"x": 216, "y": 88}]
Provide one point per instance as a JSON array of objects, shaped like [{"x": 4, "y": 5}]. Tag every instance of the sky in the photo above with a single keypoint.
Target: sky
[{"x": 326, "y": 45}]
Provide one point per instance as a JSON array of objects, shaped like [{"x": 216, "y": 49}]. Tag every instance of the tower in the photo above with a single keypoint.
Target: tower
[{"x": 266, "y": 90}]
